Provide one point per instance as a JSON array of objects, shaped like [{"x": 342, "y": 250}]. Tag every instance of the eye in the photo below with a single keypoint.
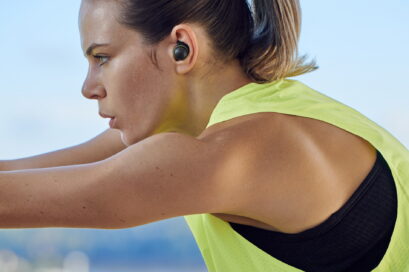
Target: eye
[{"x": 101, "y": 59}]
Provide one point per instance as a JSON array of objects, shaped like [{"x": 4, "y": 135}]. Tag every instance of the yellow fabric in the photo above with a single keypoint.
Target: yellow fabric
[{"x": 224, "y": 250}]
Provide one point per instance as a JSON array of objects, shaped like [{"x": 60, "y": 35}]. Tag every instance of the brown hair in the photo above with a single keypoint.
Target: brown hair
[{"x": 263, "y": 35}]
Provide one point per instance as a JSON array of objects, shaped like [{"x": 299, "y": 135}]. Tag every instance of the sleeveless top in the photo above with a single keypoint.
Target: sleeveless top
[
  {"x": 354, "y": 238},
  {"x": 225, "y": 250}
]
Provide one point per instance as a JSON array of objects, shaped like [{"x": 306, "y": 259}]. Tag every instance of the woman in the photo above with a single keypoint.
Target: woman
[{"x": 269, "y": 174}]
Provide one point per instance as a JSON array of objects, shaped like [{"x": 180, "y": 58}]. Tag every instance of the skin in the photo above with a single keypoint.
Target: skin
[
  {"x": 182, "y": 101},
  {"x": 268, "y": 170},
  {"x": 144, "y": 99}
]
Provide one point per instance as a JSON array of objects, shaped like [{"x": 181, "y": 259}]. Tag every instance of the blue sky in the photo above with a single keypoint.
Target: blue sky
[{"x": 360, "y": 46}]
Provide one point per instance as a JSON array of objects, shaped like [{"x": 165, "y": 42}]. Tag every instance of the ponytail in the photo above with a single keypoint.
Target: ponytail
[
  {"x": 273, "y": 50},
  {"x": 263, "y": 36}
]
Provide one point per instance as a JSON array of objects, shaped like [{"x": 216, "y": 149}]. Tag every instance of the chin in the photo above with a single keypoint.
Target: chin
[
  {"x": 124, "y": 139},
  {"x": 128, "y": 139}
]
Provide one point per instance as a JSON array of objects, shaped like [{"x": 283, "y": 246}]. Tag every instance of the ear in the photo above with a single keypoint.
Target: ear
[{"x": 186, "y": 34}]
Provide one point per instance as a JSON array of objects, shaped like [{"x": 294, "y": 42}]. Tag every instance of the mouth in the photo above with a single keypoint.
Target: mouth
[
  {"x": 105, "y": 116},
  {"x": 111, "y": 122}
]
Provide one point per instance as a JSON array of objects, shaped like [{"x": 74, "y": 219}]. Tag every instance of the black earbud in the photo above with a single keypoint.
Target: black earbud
[{"x": 181, "y": 51}]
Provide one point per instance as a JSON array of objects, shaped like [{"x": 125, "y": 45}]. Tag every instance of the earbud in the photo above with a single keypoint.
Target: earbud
[{"x": 181, "y": 51}]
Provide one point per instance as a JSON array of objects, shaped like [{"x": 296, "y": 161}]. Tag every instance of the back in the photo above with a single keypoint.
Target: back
[
  {"x": 225, "y": 250},
  {"x": 316, "y": 166}
]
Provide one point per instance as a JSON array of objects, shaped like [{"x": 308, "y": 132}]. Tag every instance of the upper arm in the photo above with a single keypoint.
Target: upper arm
[
  {"x": 163, "y": 176},
  {"x": 166, "y": 175}
]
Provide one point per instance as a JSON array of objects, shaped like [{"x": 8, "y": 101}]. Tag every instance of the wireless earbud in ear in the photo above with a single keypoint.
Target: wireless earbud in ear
[{"x": 181, "y": 51}]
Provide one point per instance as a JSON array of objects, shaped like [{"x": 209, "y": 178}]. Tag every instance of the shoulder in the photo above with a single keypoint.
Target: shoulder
[{"x": 289, "y": 172}]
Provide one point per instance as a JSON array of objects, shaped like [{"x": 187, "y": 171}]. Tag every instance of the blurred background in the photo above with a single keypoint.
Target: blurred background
[{"x": 360, "y": 46}]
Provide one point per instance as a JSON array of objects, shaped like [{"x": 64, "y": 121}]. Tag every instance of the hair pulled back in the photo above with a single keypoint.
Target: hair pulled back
[{"x": 262, "y": 35}]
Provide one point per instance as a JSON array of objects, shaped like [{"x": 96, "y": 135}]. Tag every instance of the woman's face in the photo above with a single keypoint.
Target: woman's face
[{"x": 121, "y": 77}]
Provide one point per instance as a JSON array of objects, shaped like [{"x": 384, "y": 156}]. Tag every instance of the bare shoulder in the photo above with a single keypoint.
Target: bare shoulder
[{"x": 294, "y": 171}]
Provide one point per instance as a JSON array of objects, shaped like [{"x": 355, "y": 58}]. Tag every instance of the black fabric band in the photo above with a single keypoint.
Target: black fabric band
[{"x": 354, "y": 238}]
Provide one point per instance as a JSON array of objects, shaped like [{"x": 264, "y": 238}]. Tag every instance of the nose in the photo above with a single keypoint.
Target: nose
[{"x": 92, "y": 88}]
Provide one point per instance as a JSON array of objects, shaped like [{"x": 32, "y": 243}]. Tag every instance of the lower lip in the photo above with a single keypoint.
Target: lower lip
[{"x": 112, "y": 123}]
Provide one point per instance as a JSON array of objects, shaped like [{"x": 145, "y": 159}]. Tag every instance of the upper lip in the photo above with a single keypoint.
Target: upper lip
[{"x": 105, "y": 116}]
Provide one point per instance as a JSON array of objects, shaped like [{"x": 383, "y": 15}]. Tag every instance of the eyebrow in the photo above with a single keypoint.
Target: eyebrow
[{"x": 93, "y": 46}]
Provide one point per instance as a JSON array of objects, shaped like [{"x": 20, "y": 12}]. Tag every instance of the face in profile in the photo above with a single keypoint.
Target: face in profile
[{"x": 143, "y": 99}]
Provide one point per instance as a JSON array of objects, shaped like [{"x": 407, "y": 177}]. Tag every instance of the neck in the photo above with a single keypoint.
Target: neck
[{"x": 206, "y": 92}]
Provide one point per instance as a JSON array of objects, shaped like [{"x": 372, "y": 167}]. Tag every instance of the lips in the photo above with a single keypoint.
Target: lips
[
  {"x": 105, "y": 115},
  {"x": 111, "y": 122}
]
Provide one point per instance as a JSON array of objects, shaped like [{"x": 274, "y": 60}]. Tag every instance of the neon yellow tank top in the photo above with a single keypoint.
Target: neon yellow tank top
[{"x": 225, "y": 250}]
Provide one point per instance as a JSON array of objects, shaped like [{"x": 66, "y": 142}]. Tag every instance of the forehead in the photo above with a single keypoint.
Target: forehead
[{"x": 98, "y": 23}]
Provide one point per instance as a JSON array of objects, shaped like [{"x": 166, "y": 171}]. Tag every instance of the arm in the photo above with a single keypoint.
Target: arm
[
  {"x": 163, "y": 176},
  {"x": 98, "y": 148}
]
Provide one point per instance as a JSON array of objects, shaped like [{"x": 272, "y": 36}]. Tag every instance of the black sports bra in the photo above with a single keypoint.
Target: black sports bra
[{"x": 354, "y": 238}]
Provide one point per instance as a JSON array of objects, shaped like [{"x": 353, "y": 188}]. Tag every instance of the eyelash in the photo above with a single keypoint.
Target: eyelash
[{"x": 99, "y": 58}]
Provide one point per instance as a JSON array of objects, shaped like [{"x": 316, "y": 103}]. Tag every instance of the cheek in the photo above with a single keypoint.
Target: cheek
[
  {"x": 141, "y": 94},
  {"x": 141, "y": 82},
  {"x": 122, "y": 81}
]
